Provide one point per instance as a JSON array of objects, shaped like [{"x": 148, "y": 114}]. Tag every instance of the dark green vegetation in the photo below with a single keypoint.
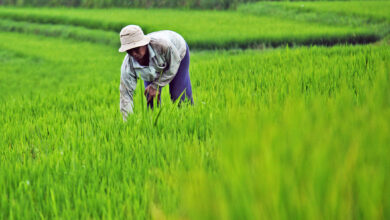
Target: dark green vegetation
[
  {"x": 203, "y": 4},
  {"x": 287, "y": 133}
]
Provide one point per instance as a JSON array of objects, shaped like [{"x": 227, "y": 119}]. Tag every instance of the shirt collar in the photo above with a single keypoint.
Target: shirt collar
[{"x": 151, "y": 52}]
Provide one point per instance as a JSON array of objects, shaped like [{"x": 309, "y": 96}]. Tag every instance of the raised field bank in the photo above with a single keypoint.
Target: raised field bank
[{"x": 291, "y": 117}]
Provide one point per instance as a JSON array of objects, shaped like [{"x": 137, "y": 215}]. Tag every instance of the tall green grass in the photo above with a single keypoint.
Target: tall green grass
[
  {"x": 201, "y": 29},
  {"x": 286, "y": 133}
]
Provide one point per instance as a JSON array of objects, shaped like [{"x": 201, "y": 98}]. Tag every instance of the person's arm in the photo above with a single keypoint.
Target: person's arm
[
  {"x": 127, "y": 86},
  {"x": 173, "y": 59}
]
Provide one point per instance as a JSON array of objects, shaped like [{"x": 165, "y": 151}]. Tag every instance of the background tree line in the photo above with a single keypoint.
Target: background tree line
[
  {"x": 199, "y": 4},
  {"x": 196, "y": 4}
]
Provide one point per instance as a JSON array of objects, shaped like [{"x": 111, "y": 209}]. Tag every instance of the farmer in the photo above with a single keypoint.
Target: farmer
[{"x": 159, "y": 58}]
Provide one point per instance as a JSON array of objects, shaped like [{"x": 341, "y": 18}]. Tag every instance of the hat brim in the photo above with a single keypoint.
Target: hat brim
[{"x": 126, "y": 47}]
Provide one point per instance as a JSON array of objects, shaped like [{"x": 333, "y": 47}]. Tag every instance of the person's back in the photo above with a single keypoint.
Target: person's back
[{"x": 170, "y": 38}]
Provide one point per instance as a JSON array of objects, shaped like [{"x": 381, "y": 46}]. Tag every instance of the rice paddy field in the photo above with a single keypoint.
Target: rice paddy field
[
  {"x": 296, "y": 126},
  {"x": 201, "y": 29}
]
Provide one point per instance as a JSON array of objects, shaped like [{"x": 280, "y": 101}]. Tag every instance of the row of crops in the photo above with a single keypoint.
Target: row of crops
[
  {"x": 253, "y": 25},
  {"x": 284, "y": 133}
]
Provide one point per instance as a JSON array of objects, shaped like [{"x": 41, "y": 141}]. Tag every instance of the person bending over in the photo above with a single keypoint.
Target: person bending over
[{"x": 159, "y": 58}]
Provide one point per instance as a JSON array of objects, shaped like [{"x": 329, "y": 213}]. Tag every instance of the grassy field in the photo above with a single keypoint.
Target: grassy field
[
  {"x": 286, "y": 133},
  {"x": 374, "y": 15},
  {"x": 375, "y": 10},
  {"x": 225, "y": 31}
]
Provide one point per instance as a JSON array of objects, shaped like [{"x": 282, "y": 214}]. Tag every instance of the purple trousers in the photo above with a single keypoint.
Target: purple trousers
[{"x": 181, "y": 83}]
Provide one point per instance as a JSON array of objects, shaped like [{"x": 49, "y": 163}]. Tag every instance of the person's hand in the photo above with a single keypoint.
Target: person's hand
[{"x": 150, "y": 93}]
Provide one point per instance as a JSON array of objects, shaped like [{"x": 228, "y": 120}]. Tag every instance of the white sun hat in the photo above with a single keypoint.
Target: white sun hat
[{"x": 131, "y": 37}]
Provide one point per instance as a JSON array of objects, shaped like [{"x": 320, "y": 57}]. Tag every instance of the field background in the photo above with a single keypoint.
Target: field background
[{"x": 291, "y": 117}]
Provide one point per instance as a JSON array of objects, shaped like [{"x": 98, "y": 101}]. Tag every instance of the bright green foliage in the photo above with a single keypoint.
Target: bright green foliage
[
  {"x": 375, "y": 10},
  {"x": 372, "y": 14},
  {"x": 201, "y": 29},
  {"x": 274, "y": 134},
  {"x": 78, "y": 33}
]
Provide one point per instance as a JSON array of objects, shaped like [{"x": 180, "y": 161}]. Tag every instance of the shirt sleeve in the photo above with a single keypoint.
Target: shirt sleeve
[
  {"x": 173, "y": 59},
  {"x": 127, "y": 87}
]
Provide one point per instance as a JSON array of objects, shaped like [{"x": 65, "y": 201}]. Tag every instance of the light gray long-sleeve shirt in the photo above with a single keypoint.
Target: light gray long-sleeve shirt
[{"x": 166, "y": 50}]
